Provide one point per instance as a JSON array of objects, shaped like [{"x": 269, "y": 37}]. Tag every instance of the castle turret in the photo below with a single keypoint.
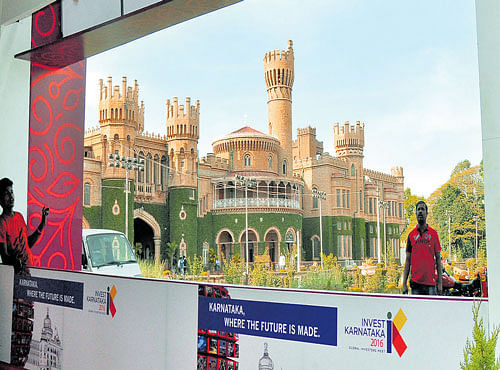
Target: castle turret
[
  {"x": 121, "y": 119},
  {"x": 182, "y": 140},
  {"x": 120, "y": 106},
  {"x": 306, "y": 145},
  {"x": 279, "y": 76},
  {"x": 349, "y": 140}
]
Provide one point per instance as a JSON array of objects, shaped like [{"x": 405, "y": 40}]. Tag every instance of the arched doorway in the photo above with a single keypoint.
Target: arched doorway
[
  {"x": 252, "y": 245},
  {"x": 147, "y": 231},
  {"x": 272, "y": 240},
  {"x": 225, "y": 245},
  {"x": 143, "y": 234}
]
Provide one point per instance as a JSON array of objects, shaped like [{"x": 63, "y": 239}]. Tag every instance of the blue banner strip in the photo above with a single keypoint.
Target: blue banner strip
[
  {"x": 301, "y": 323},
  {"x": 51, "y": 291}
]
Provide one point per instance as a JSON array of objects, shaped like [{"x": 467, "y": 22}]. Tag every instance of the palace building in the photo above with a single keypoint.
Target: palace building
[{"x": 202, "y": 203}]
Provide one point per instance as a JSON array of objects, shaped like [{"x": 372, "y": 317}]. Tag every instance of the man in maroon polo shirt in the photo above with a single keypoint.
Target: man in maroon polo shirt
[{"x": 423, "y": 255}]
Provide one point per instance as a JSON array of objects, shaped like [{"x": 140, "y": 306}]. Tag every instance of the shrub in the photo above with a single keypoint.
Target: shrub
[
  {"x": 480, "y": 352},
  {"x": 151, "y": 269}
]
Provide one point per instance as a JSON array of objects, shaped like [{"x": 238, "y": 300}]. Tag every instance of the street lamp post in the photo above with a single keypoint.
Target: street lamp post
[
  {"x": 377, "y": 206},
  {"x": 378, "y": 226},
  {"x": 476, "y": 219},
  {"x": 320, "y": 195},
  {"x": 384, "y": 205},
  {"x": 128, "y": 164},
  {"x": 242, "y": 181},
  {"x": 448, "y": 213}
]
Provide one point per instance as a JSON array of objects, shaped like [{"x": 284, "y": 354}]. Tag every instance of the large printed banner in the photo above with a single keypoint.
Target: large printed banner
[
  {"x": 310, "y": 324},
  {"x": 74, "y": 320},
  {"x": 264, "y": 328}
]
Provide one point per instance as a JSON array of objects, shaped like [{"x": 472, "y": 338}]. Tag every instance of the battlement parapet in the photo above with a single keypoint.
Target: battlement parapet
[
  {"x": 215, "y": 162},
  {"x": 92, "y": 130},
  {"x": 347, "y": 129},
  {"x": 306, "y": 131},
  {"x": 182, "y": 120},
  {"x": 324, "y": 159},
  {"x": 110, "y": 92},
  {"x": 189, "y": 111},
  {"x": 376, "y": 175},
  {"x": 397, "y": 171},
  {"x": 152, "y": 135},
  {"x": 349, "y": 139},
  {"x": 282, "y": 55}
]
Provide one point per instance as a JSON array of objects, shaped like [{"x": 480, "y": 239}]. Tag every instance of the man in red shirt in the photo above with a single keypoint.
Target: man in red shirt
[
  {"x": 423, "y": 256},
  {"x": 15, "y": 244}
]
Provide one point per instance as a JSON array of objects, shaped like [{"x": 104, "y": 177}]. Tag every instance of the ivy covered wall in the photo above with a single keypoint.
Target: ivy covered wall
[
  {"x": 211, "y": 224},
  {"x": 183, "y": 215},
  {"x": 93, "y": 216},
  {"x": 113, "y": 206}
]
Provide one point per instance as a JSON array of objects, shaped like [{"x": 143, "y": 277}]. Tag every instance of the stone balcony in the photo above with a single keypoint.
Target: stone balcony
[{"x": 257, "y": 202}]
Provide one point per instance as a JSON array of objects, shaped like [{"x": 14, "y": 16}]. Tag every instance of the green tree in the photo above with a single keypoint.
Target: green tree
[
  {"x": 411, "y": 201},
  {"x": 463, "y": 196}
]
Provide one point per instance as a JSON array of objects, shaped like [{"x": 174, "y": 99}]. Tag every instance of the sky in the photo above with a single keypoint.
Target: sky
[{"x": 408, "y": 70}]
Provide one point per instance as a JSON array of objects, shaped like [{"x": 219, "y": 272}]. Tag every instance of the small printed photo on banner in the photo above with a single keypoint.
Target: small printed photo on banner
[
  {"x": 22, "y": 331},
  {"x": 217, "y": 350},
  {"x": 202, "y": 343},
  {"x": 202, "y": 363},
  {"x": 259, "y": 334},
  {"x": 213, "y": 346},
  {"x": 46, "y": 349},
  {"x": 212, "y": 363},
  {"x": 222, "y": 364},
  {"x": 222, "y": 348}
]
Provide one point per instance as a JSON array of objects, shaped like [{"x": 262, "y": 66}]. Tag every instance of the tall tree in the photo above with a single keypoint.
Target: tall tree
[{"x": 463, "y": 196}]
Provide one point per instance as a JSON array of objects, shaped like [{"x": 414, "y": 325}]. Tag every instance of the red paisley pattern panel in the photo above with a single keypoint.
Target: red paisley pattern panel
[{"x": 55, "y": 158}]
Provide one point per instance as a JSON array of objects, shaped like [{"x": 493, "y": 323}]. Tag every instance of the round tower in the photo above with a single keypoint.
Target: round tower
[
  {"x": 121, "y": 118},
  {"x": 279, "y": 76},
  {"x": 182, "y": 140}
]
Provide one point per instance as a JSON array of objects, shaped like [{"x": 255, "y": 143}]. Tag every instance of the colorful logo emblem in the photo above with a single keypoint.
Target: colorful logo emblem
[
  {"x": 111, "y": 303},
  {"x": 394, "y": 336}
]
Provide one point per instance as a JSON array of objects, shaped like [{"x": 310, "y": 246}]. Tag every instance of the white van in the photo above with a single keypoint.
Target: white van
[{"x": 108, "y": 252}]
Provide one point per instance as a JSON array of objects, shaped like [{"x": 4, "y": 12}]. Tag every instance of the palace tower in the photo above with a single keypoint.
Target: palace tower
[{"x": 279, "y": 76}]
